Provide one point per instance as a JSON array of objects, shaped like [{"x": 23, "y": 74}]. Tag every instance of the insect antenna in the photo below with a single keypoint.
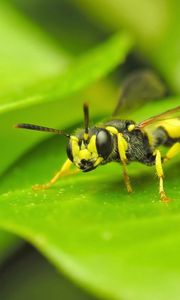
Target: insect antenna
[
  {"x": 41, "y": 128},
  {"x": 86, "y": 118}
]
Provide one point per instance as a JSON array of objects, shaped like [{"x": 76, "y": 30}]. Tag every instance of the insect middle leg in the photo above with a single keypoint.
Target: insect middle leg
[
  {"x": 64, "y": 171},
  {"x": 160, "y": 173}
]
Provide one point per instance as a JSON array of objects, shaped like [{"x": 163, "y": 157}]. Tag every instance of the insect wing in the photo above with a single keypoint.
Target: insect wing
[
  {"x": 169, "y": 114},
  {"x": 139, "y": 87}
]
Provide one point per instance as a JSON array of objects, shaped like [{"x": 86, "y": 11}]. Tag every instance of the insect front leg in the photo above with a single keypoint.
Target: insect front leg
[
  {"x": 160, "y": 173},
  {"x": 64, "y": 171},
  {"x": 126, "y": 178},
  {"x": 122, "y": 154}
]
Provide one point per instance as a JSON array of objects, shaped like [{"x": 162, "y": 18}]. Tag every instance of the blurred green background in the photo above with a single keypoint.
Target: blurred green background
[{"x": 54, "y": 55}]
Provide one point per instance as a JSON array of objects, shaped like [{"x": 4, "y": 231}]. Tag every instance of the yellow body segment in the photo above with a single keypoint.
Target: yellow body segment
[
  {"x": 112, "y": 130},
  {"x": 172, "y": 127},
  {"x": 131, "y": 127}
]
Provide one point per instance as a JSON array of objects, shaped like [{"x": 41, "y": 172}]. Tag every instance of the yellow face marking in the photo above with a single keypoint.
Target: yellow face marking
[
  {"x": 74, "y": 138},
  {"x": 88, "y": 152},
  {"x": 84, "y": 154},
  {"x": 112, "y": 129},
  {"x": 75, "y": 146},
  {"x": 92, "y": 145},
  {"x": 83, "y": 146}
]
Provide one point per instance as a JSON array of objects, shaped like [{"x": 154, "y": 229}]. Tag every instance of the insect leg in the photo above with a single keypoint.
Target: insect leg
[
  {"x": 122, "y": 153},
  {"x": 173, "y": 151},
  {"x": 160, "y": 173},
  {"x": 126, "y": 178},
  {"x": 64, "y": 171}
]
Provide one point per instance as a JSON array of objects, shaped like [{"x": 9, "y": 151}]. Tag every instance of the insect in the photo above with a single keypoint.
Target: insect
[{"x": 122, "y": 141}]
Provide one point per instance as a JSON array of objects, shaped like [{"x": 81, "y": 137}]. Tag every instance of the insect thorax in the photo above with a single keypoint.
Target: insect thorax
[{"x": 139, "y": 147}]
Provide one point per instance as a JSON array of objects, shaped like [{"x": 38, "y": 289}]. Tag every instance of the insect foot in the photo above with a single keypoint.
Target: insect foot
[
  {"x": 40, "y": 187},
  {"x": 164, "y": 198}
]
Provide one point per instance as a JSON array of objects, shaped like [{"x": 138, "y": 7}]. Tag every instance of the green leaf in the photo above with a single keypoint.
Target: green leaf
[
  {"x": 26, "y": 53},
  {"x": 87, "y": 70},
  {"x": 111, "y": 243}
]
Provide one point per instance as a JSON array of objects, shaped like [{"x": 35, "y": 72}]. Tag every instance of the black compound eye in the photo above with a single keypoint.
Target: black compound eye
[
  {"x": 104, "y": 143},
  {"x": 69, "y": 151}
]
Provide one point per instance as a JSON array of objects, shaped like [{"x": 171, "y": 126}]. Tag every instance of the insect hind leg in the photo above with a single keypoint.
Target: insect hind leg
[
  {"x": 64, "y": 171},
  {"x": 173, "y": 151}
]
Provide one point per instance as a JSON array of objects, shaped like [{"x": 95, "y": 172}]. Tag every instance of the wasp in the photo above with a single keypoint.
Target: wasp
[{"x": 120, "y": 140}]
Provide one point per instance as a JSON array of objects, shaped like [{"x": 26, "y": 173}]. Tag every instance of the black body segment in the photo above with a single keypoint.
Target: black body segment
[
  {"x": 139, "y": 148},
  {"x": 162, "y": 137}
]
